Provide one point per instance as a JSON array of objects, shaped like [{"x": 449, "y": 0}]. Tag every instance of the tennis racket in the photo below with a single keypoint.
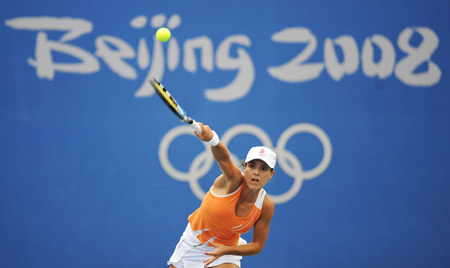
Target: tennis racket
[{"x": 173, "y": 104}]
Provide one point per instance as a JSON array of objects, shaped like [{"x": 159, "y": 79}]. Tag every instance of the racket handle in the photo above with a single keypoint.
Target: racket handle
[{"x": 196, "y": 126}]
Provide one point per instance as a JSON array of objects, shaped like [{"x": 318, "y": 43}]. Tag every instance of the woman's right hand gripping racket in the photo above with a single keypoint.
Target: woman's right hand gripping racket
[{"x": 173, "y": 104}]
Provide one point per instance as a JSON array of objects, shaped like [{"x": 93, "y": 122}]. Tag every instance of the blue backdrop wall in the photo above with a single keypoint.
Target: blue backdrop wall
[{"x": 353, "y": 95}]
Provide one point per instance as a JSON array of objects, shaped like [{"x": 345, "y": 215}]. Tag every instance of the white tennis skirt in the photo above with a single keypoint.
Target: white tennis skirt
[{"x": 190, "y": 252}]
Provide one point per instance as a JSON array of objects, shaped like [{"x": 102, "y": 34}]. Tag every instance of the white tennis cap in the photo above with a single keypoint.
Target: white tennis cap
[{"x": 263, "y": 153}]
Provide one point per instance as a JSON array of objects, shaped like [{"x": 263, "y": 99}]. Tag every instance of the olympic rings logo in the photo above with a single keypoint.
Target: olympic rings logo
[{"x": 286, "y": 160}]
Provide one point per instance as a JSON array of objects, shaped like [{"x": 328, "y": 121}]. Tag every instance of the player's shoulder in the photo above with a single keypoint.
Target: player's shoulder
[
  {"x": 268, "y": 204},
  {"x": 223, "y": 185},
  {"x": 267, "y": 209}
]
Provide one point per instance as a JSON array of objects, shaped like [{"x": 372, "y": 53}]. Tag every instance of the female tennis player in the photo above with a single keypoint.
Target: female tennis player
[{"x": 235, "y": 203}]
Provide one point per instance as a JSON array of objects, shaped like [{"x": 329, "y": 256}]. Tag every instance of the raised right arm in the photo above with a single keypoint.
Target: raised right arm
[{"x": 231, "y": 175}]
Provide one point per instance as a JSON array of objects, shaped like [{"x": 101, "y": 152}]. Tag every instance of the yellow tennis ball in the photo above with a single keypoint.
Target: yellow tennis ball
[{"x": 163, "y": 34}]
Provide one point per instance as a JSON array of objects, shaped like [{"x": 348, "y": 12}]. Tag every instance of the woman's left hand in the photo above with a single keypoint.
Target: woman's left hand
[{"x": 219, "y": 251}]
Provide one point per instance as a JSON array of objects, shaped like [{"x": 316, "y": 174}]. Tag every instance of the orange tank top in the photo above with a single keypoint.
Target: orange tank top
[{"x": 216, "y": 220}]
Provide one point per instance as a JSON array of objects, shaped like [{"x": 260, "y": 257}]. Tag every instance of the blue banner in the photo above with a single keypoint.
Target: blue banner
[{"x": 352, "y": 95}]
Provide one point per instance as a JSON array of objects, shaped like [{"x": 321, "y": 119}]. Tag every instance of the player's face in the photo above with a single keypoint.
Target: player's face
[{"x": 257, "y": 173}]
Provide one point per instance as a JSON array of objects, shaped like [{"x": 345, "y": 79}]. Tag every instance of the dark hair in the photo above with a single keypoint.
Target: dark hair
[{"x": 242, "y": 164}]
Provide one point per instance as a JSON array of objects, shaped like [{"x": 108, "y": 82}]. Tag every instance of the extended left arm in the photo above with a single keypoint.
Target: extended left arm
[{"x": 260, "y": 233}]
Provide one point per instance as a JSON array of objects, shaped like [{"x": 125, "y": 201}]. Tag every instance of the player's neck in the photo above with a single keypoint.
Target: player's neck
[{"x": 249, "y": 195}]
